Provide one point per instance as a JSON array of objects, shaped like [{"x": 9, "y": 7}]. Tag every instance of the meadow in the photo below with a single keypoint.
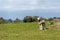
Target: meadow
[{"x": 28, "y": 31}]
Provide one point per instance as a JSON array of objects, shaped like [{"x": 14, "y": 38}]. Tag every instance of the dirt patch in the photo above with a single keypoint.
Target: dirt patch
[{"x": 57, "y": 25}]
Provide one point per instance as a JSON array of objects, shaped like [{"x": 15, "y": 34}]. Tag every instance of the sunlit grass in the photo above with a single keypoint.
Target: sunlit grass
[{"x": 27, "y": 31}]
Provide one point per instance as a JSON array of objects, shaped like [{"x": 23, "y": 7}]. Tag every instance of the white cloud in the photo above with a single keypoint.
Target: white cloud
[{"x": 12, "y": 5}]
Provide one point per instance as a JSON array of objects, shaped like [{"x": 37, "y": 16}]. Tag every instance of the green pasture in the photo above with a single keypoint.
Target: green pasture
[{"x": 28, "y": 31}]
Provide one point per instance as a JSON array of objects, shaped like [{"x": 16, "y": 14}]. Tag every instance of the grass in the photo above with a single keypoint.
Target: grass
[{"x": 28, "y": 31}]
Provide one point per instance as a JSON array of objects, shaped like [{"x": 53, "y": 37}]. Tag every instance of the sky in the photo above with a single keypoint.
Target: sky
[{"x": 19, "y": 8}]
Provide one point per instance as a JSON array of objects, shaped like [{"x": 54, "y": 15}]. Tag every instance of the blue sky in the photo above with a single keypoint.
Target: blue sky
[{"x": 20, "y": 8}]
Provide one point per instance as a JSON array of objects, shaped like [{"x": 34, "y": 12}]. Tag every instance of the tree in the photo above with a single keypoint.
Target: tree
[
  {"x": 17, "y": 20},
  {"x": 32, "y": 18},
  {"x": 51, "y": 21},
  {"x": 2, "y": 20},
  {"x": 35, "y": 18},
  {"x": 54, "y": 17},
  {"x": 10, "y": 21},
  {"x": 28, "y": 19}
]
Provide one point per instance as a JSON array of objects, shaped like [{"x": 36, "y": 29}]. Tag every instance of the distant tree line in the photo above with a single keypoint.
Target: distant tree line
[
  {"x": 2, "y": 20},
  {"x": 26, "y": 19}
]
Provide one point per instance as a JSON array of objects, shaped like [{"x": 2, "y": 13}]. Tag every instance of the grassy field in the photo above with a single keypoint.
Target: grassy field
[{"x": 28, "y": 31}]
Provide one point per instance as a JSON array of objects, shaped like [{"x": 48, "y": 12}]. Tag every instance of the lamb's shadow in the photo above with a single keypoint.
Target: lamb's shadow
[{"x": 47, "y": 28}]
